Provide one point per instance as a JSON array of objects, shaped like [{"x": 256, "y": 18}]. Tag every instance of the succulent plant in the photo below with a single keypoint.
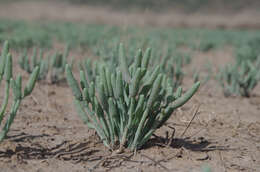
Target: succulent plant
[
  {"x": 36, "y": 60},
  {"x": 171, "y": 65},
  {"x": 126, "y": 105},
  {"x": 249, "y": 50},
  {"x": 6, "y": 73},
  {"x": 239, "y": 79},
  {"x": 56, "y": 68}
]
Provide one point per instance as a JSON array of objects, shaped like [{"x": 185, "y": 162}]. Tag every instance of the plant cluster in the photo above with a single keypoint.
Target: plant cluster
[
  {"x": 57, "y": 66},
  {"x": 170, "y": 63},
  {"x": 239, "y": 79},
  {"x": 53, "y": 65},
  {"x": 28, "y": 64},
  {"x": 98, "y": 38},
  {"x": 243, "y": 76},
  {"x": 249, "y": 50},
  {"x": 172, "y": 67},
  {"x": 6, "y": 74},
  {"x": 126, "y": 104}
]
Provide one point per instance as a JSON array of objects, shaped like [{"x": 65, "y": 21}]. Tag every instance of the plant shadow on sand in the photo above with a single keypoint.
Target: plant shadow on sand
[
  {"x": 197, "y": 145},
  {"x": 23, "y": 147}
]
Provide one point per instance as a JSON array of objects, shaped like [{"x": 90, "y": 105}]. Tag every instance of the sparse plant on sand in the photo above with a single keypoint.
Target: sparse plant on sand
[
  {"x": 53, "y": 65},
  {"x": 126, "y": 105},
  {"x": 36, "y": 60},
  {"x": 58, "y": 63},
  {"x": 239, "y": 79},
  {"x": 6, "y": 74}
]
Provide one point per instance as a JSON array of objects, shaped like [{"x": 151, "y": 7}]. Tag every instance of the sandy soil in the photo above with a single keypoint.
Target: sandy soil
[
  {"x": 47, "y": 134},
  {"x": 48, "y": 10}
]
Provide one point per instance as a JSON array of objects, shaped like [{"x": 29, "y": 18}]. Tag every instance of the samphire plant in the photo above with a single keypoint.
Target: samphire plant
[
  {"x": 250, "y": 50},
  {"x": 28, "y": 64},
  {"x": 58, "y": 63},
  {"x": 172, "y": 67},
  {"x": 126, "y": 105},
  {"x": 170, "y": 64},
  {"x": 239, "y": 79},
  {"x": 6, "y": 74},
  {"x": 53, "y": 65}
]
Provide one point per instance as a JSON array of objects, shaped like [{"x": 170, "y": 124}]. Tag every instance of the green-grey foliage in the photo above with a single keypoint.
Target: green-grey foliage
[
  {"x": 239, "y": 79},
  {"x": 249, "y": 50},
  {"x": 6, "y": 73},
  {"x": 207, "y": 45},
  {"x": 92, "y": 37},
  {"x": 54, "y": 64},
  {"x": 206, "y": 168},
  {"x": 172, "y": 66},
  {"x": 126, "y": 106},
  {"x": 57, "y": 65},
  {"x": 28, "y": 64},
  {"x": 196, "y": 75},
  {"x": 89, "y": 70},
  {"x": 170, "y": 62}
]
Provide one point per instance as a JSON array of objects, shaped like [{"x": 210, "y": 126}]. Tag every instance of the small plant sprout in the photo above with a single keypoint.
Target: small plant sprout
[
  {"x": 126, "y": 105},
  {"x": 6, "y": 74}
]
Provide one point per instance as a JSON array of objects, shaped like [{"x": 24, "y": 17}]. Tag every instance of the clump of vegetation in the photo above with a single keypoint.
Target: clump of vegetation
[
  {"x": 171, "y": 63},
  {"x": 126, "y": 105},
  {"x": 239, "y": 79},
  {"x": 58, "y": 63},
  {"x": 89, "y": 69},
  {"x": 36, "y": 60},
  {"x": 206, "y": 45},
  {"x": 172, "y": 67},
  {"x": 249, "y": 50},
  {"x": 55, "y": 68},
  {"x": 196, "y": 75},
  {"x": 6, "y": 73}
]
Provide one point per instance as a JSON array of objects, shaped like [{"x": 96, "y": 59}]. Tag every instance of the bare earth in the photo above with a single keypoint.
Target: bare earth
[
  {"x": 48, "y": 10},
  {"x": 48, "y": 136}
]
